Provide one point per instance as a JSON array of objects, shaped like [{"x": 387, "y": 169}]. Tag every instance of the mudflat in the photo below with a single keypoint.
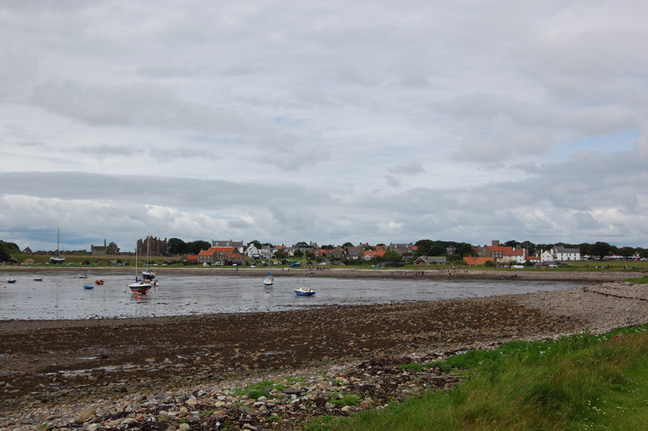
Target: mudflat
[{"x": 49, "y": 363}]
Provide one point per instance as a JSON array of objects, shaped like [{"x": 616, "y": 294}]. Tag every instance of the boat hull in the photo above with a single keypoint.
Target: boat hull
[
  {"x": 304, "y": 292},
  {"x": 148, "y": 275},
  {"x": 140, "y": 288}
]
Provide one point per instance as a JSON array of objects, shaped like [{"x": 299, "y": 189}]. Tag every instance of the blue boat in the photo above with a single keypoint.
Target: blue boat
[
  {"x": 302, "y": 291},
  {"x": 88, "y": 286}
]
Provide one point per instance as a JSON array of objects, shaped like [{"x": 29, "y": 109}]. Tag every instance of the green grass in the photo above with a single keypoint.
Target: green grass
[
  {"x": 347, "y": 400},
  {"x": 577, "y": 383},
  {"x": 643, "y": 280}
]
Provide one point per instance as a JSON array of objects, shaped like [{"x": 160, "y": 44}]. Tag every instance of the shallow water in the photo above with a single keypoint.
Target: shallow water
[{"x": 62, "y": 296}]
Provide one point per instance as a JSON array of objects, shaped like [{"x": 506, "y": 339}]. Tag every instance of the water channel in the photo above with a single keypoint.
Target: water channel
[{"x": 63, "y": 296}]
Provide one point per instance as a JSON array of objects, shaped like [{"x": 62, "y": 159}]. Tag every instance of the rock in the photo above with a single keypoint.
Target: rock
[
  {"x": 86, "y": 414},
  {"x": 184, "y": 427}
]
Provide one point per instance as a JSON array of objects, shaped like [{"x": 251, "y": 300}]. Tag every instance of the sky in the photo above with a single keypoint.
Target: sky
[{"x": 327, "y": 121}]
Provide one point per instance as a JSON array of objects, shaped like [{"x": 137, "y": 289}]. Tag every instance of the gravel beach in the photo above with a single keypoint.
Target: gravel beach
[{"x": 181, "y": 373}]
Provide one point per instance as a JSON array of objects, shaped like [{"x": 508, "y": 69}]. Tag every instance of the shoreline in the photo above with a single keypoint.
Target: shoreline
[{"x": 350, "y": 272}]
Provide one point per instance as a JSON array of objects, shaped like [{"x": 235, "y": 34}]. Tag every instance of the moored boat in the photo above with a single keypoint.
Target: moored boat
[
  {"x": 11, "y": 280},
  {"x": 268, "y": 280},
  {"x": 302, "y": 291},
  {"x": 148, "y": 274},
  {"x": 88, "y": 286},
  {"x": 140, "y": 287},
  {"x": 57, "y": 258}
]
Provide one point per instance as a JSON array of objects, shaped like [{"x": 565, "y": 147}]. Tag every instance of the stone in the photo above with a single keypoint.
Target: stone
[{"x": 86, "y": 414}]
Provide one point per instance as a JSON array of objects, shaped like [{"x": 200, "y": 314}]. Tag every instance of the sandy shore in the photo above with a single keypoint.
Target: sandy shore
[{"x": 65, "y": 366}]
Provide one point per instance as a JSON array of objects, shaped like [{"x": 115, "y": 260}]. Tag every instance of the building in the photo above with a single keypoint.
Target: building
[
  {"x": 105, "y": 249},
  {"x": 502, "y": 254},
  {"x": 561, "y": 253},
  {"x": 428, "y": 260},
  {"x": 215, "y": 255},
  {"x": 229, "y": 243},
  {"x": 477, "y": 260}
]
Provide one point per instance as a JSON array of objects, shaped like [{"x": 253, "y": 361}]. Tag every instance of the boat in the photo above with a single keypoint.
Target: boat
[
  {"x": 11, "y": 280},
  {"x": 38, "y": 278},
  {"x": 88, "y": 286},
  {"x": 99, "y": 282},
  {"x": 57, "y": 257},
  {"x": 303, "y": 290},
  {"x": 148, "y": 274},
  {"x": 268, "y": 280},
  {"x": 83, "y": 275},
  {"x": 141, "y": 286}
]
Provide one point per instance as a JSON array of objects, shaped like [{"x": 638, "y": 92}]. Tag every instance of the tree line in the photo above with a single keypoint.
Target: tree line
[{"x": 452, "y": 249}]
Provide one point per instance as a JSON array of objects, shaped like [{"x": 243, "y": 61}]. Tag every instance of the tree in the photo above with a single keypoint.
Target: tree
[
  {"x": 464, "y": 249},
  {"x": 4, "y": 256},
  {"x": 424, "y": 247},
  {"x": 114, "y": 247},
  {"x": 529, "y": 246},
  {"x": 601, "y": 249},
  {"x": 176, "y": 247},
  {"x": 346, "y": 245},
  {"x": 195, "y": 247},
  {"x": 256, "y": 243},
  {"x": 392, "y": 256},
  {"x": 627, "y": 252}
]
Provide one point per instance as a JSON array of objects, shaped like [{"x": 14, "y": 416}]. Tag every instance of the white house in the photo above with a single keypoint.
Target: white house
[
  {"x": 562, "y": 253},
  {"x": 546, "y": 256},
  {"x": 252, "y": 252}
]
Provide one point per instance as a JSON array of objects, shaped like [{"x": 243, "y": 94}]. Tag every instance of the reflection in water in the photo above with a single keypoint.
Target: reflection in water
[{"x": 62, "y": 296}]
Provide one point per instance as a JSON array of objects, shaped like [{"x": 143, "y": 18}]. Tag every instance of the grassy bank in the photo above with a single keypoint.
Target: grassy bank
[{"x": 581, "y": 382}]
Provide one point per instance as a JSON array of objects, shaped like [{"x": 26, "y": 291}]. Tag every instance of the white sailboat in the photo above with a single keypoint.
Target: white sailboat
[
  {"x": 268, "y": 280},
  {"x": 140, "y": 287},
  {"x": 57, "y": 257},
  {"x": 147, "y": 274},
  {"x": 303, "y": 290}
]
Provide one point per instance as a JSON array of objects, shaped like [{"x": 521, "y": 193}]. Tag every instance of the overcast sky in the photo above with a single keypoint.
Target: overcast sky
[{"x": 327, "y": 121}]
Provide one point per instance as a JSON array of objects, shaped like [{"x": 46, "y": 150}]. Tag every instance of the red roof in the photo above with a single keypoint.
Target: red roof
[
  {"x": 375, "y": 253},
  {"x": 506, "y": 250},
  {"x": 470, "y": 260},
  {"x": 214, "y": 250}
]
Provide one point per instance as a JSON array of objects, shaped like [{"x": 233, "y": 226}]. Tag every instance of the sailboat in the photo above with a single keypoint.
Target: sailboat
[
  {"x": 303, "y": 290},
  {"x": 147, "y": 274},
  {"x": 268, "y": 280},
  {"x": 57, "y": 257},
  {"x": 140, "y": 287}
]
